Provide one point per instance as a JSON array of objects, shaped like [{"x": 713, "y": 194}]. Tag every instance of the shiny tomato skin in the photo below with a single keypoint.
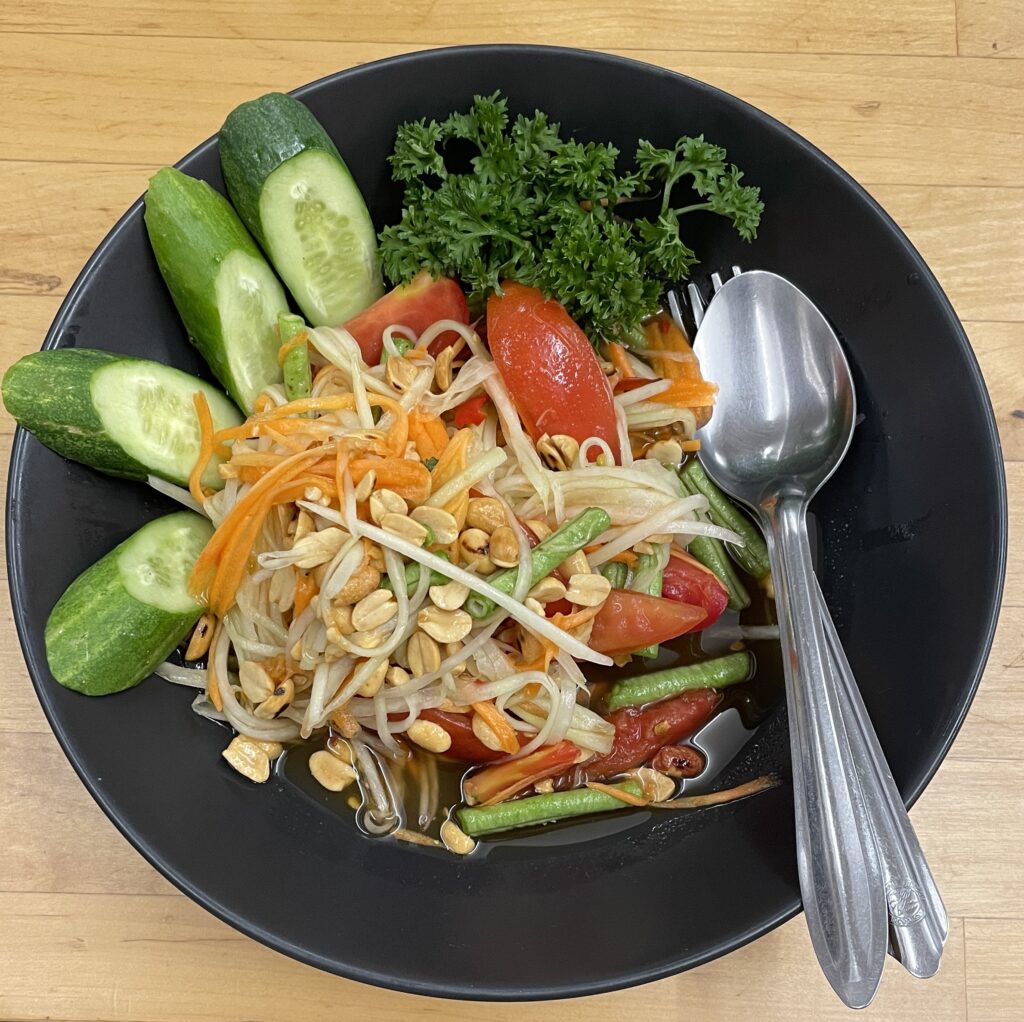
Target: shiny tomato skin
[
  {"x": 641, "y": 732},
  {"x": 549, "y": 367},
  {"x": 629, "y": 621},
  {"x": 688, "y": 582},
  {"x": 417, "y": 305}
]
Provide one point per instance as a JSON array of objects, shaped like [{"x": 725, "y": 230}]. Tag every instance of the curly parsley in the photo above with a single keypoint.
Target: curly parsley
[{"x": 548, "y": 213}]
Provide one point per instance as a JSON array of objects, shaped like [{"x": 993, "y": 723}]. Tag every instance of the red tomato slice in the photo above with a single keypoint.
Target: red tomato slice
[
  {"x": 688, "y": 581},
  {"x": 471, "y": 412},
  {"x": 640, "y": 733},
  {"x": 549, "y": 367},
  {"x": 417, "y": 305},
  {"x": 629, "y": 621}
]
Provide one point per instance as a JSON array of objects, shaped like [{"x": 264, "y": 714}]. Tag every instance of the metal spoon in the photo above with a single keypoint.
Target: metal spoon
[{"x": 783, "y": 424}]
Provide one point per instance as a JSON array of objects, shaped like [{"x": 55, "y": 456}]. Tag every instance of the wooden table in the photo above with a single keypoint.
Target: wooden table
[{"x": 920, "y": 99}]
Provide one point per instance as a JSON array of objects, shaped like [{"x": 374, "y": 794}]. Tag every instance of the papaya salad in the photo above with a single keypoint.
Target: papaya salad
[{"x": 457, "y": 526}]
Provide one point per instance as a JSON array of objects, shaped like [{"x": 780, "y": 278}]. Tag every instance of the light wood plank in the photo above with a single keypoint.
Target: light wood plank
[
  {"x": 994, "y": 729},
  {"x": 936, "y": 120},
  {"x": 131, "y": 955},
  {"x": 828, "y": 26},
  {"x": 989, "y": 28},
  {"x": 975, "y": 261},
  {"x": 995, "y": 982},
  {"x": 1000, "y": 351},
  {"x": 70, "y": 846}
]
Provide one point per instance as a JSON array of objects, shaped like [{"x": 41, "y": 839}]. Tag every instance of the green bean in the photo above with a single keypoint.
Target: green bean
[
  {"x": 524, "y": 812},
  {"x": 298, "y": 378},
  {"x": 402, "y": 345},
  {"x": 569, "y": 537},
  {"x": 616, "y": 573},
  {"x": 649, "y": 688},
  {"x": 712, "y": 554},
  {"x": 753, "y": 555},
  {"x": 647, "y": 579},
  {"x": 412, "y": 576}
]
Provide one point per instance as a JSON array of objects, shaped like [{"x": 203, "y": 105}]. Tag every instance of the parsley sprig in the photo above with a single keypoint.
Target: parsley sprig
[{"x": 550, "y": 213}]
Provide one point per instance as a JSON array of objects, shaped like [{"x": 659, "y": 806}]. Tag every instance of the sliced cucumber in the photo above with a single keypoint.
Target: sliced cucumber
[
  {"x": 294, "y": 192},
  {"x": 124, "y": 615},
  {"x": 125, "y": 416},
  {"x": 223, "y": 289}
]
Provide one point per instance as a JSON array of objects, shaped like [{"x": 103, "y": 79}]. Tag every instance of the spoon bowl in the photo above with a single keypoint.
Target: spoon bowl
[{"x": 786, "y": 407}]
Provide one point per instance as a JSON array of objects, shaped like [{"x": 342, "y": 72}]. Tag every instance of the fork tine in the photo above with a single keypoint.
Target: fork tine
[
  {"x": 716, "y": 281},
  {"x": 675, "y": 309},
  {"x": 696, "y": 303}
]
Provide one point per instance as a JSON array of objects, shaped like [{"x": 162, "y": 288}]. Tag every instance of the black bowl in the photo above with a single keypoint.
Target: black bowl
[{"x": 555, "y": 915}]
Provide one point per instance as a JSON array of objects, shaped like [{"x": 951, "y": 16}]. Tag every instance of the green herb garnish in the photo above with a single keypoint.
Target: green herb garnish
[
  {"x": 430, "y": 463},
  {"x": 549, "y": 213}
]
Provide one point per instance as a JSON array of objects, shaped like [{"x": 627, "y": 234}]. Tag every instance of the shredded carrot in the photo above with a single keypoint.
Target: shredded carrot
[
  {"x": 195, "y": 486},
  {"x": 428, "y": 433},
  {"x": 618, "y": 356},
  {"x": 623, "y": 796},
  {"x": 495, "y": 720},
  {"x": 305, "y": 590},
  {"x": 206, "y": 566},
  {"x": 452, "y": 461},
  {"x": 417, "y": 353},
  {"x": 301, "y": 338},
  {"x": 688, "y": 394},
  {"x": 626, "y": 557},
  {"x": 690, "y": 446},
  {"x": 212, "y": 688},
  {"x": 662, "y": 334},
  {"x": 409, "y": 479}
]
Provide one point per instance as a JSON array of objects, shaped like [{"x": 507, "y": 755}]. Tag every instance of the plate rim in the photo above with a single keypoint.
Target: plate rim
[{"x": 466, "y": 991}]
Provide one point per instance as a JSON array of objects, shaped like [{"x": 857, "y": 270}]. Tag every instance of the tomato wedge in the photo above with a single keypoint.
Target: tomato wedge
[
  {"x": 629, "y": 621},
  {"x": 687, "y": 581},
  {"x": 549, "y": 367},
  {"x": 640, "y": 733},
  {"x": 471, "y": 412},
  {"x": 417, "y": 305}
]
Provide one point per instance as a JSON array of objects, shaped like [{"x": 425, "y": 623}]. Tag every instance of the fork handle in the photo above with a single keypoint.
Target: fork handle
[
  {"x": 840, "y": 878},
  {"x": 918, "y": 921}
]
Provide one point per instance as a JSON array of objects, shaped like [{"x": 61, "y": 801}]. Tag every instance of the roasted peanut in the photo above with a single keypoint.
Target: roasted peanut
[
  {"x": 384, "y": 502},
  {"x": 450, "y": 649},
  {"x": 430, "y": 736},
  {"x": 485, "y": 733},
  {"x": 277, "y": 702},
  {"x": 588, "y": 590},
  {"x": 473, "y": 545},
  {"x": 423, "y": 654},
  {"x": 396, "y": 676},
  {"x": 400, "y": 374},
  {"x": 374, "y": 610},
  {"x": 365, "y": 486},
  {"x": 371, "y": 686},
  {"x": 256, "y": 682},
  {"x": 202, "y": 635},
  {"x": 248, "y": 759},
  {"x": 455, "y": 839},
  {"x": 503, "y": 549},
  {"x": 364, "y": 581},
  {"x": 449, "y": 597},
  {"x": 443, "y": 369},
  {"x": 444, "y": 625},
  {"x": 667, "y": 452},
  {"x": 559, "y": 451},
  {"x": 442, "y": 524},
  {"x": 406, "y": 527},
  {"x": 548, "y": 590},
  {"x": 330, "y": 771},
  {"x": 486, "y": 514}
]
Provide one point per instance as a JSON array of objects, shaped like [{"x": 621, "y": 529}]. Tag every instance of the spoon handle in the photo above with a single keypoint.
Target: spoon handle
[
  {"x": 918, "y": 920},
  {"x": 840, "y": 880}
]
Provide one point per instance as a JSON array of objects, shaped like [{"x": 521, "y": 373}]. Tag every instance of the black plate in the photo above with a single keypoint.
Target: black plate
[{"x": 557, "y": 916}]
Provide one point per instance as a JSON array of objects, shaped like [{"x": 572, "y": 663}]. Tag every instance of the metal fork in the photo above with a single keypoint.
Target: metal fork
[{"x": 918, "y": 924}]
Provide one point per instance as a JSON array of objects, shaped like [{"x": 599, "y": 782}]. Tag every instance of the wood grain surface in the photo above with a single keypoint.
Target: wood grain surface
[{"x": 922, "y": 100}]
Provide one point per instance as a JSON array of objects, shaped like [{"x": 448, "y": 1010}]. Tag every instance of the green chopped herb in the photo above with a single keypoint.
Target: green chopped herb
[{"x": 547, "y": 212}]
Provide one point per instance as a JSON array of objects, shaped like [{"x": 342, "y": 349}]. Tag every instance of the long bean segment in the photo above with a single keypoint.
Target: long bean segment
[
  {"x": 712, "y": 554},
  {"x": 616, "y": 572},
  {"x": 525, "y": 812},
  {"x": 412, "y": 576},
  {"x": 647, "y": 579},
  {"x": 650, "y": 688},
  {"x": 574, "y": 535},
  {"x": 753, "y": 555},
  {"x": 298, "y": 377}
]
